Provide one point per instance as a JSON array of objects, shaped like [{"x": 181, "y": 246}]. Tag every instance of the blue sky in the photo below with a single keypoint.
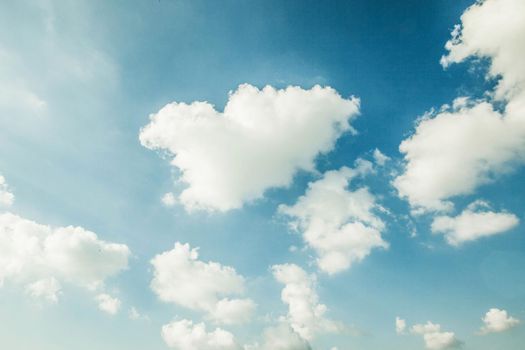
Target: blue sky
[{"x": 280, "y": 186}]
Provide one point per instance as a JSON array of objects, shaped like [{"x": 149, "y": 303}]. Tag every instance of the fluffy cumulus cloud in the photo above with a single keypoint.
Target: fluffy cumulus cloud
[
  {"x": 185, "y": 335},
  {"x": 260, "y": 141},
  {"x": 181, "y": 278},
  {"x": 6, "y": 197},
  {"x": 493, "y": 29},
  {"x": 454, "y": 151},
  {"x": 306, "y": 315},
  {"x": 107, "y": 303},
  {"x": 434, "y": 337},
  {"x": 496, "y": 320},
  {"x": 338, "y": 223},
  {"x": 42, "y": 257},
  {"x": 475, "y": 222}
]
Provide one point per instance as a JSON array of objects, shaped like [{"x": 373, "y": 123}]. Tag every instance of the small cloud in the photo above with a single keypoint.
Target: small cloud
[
  {"x": 135, "y": 315},
  {"x": 496, "y": 321},
  {"x": 169, "y": 199},
  {"x": 401, "y": 326},
  {"x": 380, "y": 158},
  {"x": 108, "y": 304},
  {"x": 6, "y": 197},
  {"x": 435, "y": 338},
  {"x": 475, "y": 222}
]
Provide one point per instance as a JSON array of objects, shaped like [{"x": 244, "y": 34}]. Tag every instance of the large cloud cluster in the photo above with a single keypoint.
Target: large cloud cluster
[
  {"x": 260, "y": 140},
  {"x": 456, "y": 150}
]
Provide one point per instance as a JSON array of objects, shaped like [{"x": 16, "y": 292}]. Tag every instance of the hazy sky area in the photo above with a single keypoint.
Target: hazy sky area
[{"x": 262, "y": 175}]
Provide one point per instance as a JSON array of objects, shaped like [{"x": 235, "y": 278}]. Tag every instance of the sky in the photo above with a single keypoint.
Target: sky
[{"x": 262, "y": 175}]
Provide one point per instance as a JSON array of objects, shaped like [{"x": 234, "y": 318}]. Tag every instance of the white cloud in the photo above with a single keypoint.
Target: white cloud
[
  {"x": 497, "y": 320},
  {"x": 339, "y": 224},
  {"x": 306, "y": 315},
  {"x": 493, "y": 29},
  {"x": 233, "y": 311},
  {"x": 6, "y": 197},
  {"x": 470, "y": 144},
  {"x": 184, "y": 335},
  {"x": 455, "y": 152},
  {"x": 168, "y": 199},
  {"x": 434, "y": 338},
  {"x": 108, "y": 304},
  {"x": 281, "y": 337},
  {"x": 260, "y": 141},
  {"x": 380, "y": 158},
  {"x": 180, "y": 278},
  {"x": 41, "y": 257},
  {"x": 401, "y": 326},
  {"x": 47, "y": 288},
  {"x": 473, "y": 223}
]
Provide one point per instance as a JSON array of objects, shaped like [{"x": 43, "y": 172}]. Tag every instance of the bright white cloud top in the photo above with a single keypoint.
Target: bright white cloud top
[
  {"x": 260, "y": 141},
  {"x": 493, "y": 29},
  {"x": 458, "y": 149},
  {"x": 180, "y": 278},
  {"x": 473, "y": 223},
  {"x": 306, "y": 314},
  {"x": 338, "y": 223},
  {"x": 434, "y": 337},
  {"x": 42, "y": 257},
  {"x": 496, "y": 321},
  {"x": 185, "y": 335}
]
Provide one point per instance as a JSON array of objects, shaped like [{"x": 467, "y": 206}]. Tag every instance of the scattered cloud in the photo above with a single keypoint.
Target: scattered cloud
[
  {"x": 281, "y": 337},
  {"x": 185, "y": 335},
  {"x": 379, "y": 158},
  {"x": 496, "y": 321},
  {"x": 108, "y": 304},
  {"x": 6, "y": 197},
  {"x": 338, "y": 223},
  {"x": 434, "y": 338},
  {"x": 168, "y": 199},
  {"x": 135, "y": 315},
  {"x": 306, "y": 315},
  {"x": 42, "y": 257},
  {"x": 180, "y": 278},
  {"x": 260, "y": 141},
  {"x": 475, "y": 222},
  {"x": 401, "y": 326}
]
